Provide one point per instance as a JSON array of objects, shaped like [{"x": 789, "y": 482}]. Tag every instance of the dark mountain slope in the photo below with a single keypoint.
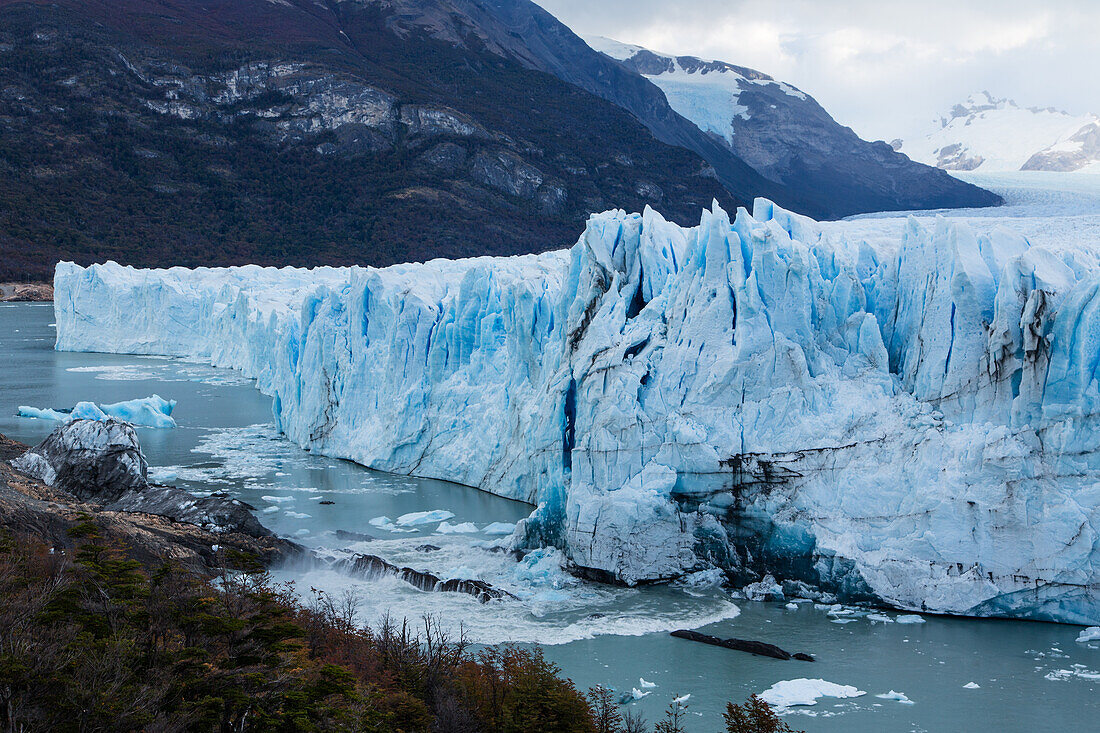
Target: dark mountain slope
[
  {"x": 812, "y": 164},
  {"x": 178, "y": 132}
]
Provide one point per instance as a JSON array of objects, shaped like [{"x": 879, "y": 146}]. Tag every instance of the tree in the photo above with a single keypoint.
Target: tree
[
  {"x": 605, "y": 711},
  {"x": 674, "y": 718},
  {"x": 754, "y": 716}
]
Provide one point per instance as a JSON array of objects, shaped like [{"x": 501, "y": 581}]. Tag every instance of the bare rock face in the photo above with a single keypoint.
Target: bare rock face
[
  {"x": 102, "y": 462},
  {"x": 89, "y": 459}
]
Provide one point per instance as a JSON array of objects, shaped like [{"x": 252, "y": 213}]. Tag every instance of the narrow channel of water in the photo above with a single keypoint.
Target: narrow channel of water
[{"x": 1030, "y": 676}]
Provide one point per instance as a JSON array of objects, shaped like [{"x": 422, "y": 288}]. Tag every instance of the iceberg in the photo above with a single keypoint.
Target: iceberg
[
  {"x": 802, "y": 691},
  {"x": 898, "y": 411},
  {"x": 153, "y": 412}
]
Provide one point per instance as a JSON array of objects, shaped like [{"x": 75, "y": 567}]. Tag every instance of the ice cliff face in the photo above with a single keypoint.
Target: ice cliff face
[{"x": 915, "y": 423}]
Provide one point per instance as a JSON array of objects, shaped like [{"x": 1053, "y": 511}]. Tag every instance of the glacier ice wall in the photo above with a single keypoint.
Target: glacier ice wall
[{"x": 914, "y": 424}]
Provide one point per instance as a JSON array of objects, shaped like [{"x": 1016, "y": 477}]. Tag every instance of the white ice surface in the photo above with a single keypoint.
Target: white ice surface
[
  {"x": 802, "y": 691},
  {"x": 906, "y": 404}
]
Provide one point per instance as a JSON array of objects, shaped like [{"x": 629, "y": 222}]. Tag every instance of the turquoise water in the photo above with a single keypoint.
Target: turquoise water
[{"x": 1031, "y": 676}]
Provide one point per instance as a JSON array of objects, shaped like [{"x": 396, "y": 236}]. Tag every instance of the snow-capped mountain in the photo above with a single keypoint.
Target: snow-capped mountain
[
  {"x": 786, "y": 136},
  {"x": 990, "y": 134}
]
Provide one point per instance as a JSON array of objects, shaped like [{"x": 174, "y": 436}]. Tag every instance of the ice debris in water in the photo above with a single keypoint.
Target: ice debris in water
[
  {"x": 413, "y": 519},
  {"x": 499, "y": 529},
  {"x": 1092, "y": 633},
  {"x": 972, "y": 686},
  {"x": 911, "y": 618},
  {"x": 152, "y": 412},
  {"x": 387, "y": 524},
  {"x": 638, "y": 694},
  {"x": 277, "y": 499},
  {"x": 898, "y": 696},
  {"x": 646, "y": 685},
  {"x": 854, "y": 374},
  {"x": 463, "y": 528},
  {"x": 682, "y": 700},
  {"x": 803, "y": 691}
]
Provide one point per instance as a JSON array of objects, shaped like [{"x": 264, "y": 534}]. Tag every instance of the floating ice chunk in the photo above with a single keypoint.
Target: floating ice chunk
[
  {"x": 298, "y": 515},
  {"x": 464, "y": 528},
  {"x": 682, "y": 700},
  {"x": 972, "y": 686},
  {"x": 1092, "y": 633},
  {"x": 804, "y": 691},
  {"x": 43, "y": 414},
  {"x": 387, "y": 524},
  {"x": 911, "y": 618},
  {"x": 153, "y": 412},
  {"x": 792, "y": 606},
  {"x": 879, "y": 618},
  {"x": 277, "y": 499},
  {"x": 898, "y": 696},
  {"x": 413, "y": 519},
  {"x": 645, "y": 684},
  {"x": 270, "y": 510},
  {"x": 499, "y": 529},
  {"x": 638, "y": 694}
]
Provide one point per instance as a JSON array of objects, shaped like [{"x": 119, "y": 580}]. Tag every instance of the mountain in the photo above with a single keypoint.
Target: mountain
[
  {"x": 302, "y": 132},
  {"x": 989, "y": 134},
  {"x": 787, "y": 137},
  {"x": 305, "y": 132}
]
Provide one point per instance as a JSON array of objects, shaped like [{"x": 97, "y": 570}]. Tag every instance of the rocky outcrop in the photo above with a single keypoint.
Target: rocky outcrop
[
  {"x": 372, "y": 567},
  {"x": 25, "y": 292},
  {"x": 31, "y": 507},
  {"x": 757, "y": 648},
  {"x": 90, "y": 459},
  {"x": 101, "y": 462}
]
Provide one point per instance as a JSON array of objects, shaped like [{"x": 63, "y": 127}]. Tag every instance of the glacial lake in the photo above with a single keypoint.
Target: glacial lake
[{"x": 1030, "y": 676}]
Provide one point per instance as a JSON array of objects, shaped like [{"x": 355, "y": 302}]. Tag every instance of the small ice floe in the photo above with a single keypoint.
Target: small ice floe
[
  {"x": 277, "y": 499},
  {"x": 298, "y": 515},
  {"x": 433, "y": 516},
  {"x": 448, "y": 528},
  {"x": 897, "y": 696},
  {"x": 499, "y": 529},
  {"x": 1092, "y": 633},
  {"x": 270, "y": 510},
  {"x": 972, "y": 686},
  {"x": 302, "y": 532},
  {"x": 637, "y": 694},
  {"x": 911, "y": 618},
  {"x": 879, "y": 618},
  {"x": 387, "y": 524},
  {"x": 792, "y": 606},
  {"x": 682, "y": 700},
  {"x": 762, "y": 590},
  {"x": 646, "y": 685},
  {"x": 802, "y": 691},
  {"x": 1079, "y": 671}
]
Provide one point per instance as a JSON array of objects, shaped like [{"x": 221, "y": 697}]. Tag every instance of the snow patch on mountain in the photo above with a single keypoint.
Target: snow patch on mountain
[
  {"x": 705, "y": 91},
  {"x": 899, "y": 410},
  {"x": 989, "y": 134}
]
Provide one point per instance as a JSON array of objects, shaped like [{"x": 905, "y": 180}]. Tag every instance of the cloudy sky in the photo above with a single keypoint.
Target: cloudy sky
[{"x": 884, "y": 67}]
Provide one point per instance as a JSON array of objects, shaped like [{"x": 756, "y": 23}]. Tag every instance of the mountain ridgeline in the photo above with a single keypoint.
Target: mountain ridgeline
[{"x": 305, "y": 132}]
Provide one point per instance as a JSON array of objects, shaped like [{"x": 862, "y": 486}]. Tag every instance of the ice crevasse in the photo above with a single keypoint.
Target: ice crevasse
[{"x": 915, "y": 424}]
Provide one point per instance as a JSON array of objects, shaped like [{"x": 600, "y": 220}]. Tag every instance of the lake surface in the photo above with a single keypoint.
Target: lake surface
[{"x": 1030, "y": 676}]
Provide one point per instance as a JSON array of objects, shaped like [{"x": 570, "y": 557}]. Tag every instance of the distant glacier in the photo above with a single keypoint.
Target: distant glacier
[{"x": 906, "y": 414}]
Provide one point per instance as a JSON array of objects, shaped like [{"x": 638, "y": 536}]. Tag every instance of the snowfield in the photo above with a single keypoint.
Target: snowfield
[{"x": 893, "y": 408}]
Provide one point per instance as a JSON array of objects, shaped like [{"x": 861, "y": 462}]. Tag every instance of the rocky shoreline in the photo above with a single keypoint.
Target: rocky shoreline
[
  {"x": 89, "y": 471},
  {"x": 56, "y": 516},
  {"x": 26, "y": 292}
]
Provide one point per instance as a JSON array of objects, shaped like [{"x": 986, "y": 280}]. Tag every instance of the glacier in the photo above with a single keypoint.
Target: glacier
[{"x": 904, "y": 413}]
